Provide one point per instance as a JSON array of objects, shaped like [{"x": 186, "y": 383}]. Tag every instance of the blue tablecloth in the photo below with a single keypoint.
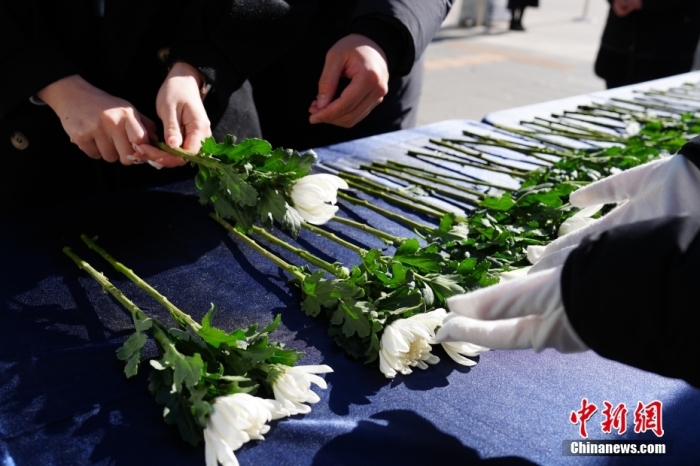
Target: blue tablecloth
[{"x": 65, "y": 401}]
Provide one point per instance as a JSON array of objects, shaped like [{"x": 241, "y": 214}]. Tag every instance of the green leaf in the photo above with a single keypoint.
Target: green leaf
[
  {"x": 187, "y": 370},
  {"x": 444, "y": 286},
  {"x": 234, "y": 186},
  {"x": 503, "y": 203},
  {"x": 177, "y": 407},
  {"x": 351, "y": 315},
  {"x": 215, "y": 336},
  {"x": 292, "y": 220},
  {"x": 272, "y": 204}
]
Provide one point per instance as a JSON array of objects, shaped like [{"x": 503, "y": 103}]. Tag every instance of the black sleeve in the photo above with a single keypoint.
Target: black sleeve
[
  {"x": 403, "y": 28},
  {"x": 28, "y": 62},
  {"x": 632, "y": 293},
  {"x": 657, "y": 6},
  {"x": 230, "y": 41}
]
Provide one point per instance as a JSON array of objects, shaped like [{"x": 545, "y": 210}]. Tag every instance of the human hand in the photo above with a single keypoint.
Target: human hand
[
  {"x": 519, "y": 314},
  {"x": 623, "y": 8},
  {"x": 666, "y": 187},
  {"x": 101, "y": 125},
  {"x": 185, "y": 122},
  {"x": 362, "y": 61}
]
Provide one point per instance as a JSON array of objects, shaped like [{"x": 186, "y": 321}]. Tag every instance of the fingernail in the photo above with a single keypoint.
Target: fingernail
[
  {"x": 134, "y": 159},
  {"x": 155, "y": 165},
  {"x": 313, "y": 120},
  {"x": 137, "y": 149},
  {"x": 172, "y": 142},
  {"x": 321, "y": 100}
]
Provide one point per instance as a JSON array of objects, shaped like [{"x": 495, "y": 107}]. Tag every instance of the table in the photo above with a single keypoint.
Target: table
[{"x": 65, "y": 401}]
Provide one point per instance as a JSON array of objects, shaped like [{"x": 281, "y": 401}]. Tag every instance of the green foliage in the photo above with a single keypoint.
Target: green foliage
[{"x": 249, "y": 181}]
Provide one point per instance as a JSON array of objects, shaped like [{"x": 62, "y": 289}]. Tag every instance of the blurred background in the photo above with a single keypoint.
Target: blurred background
[{"x": 476, "y": 65}]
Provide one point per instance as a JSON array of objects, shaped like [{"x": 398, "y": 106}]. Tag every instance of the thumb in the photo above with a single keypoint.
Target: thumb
[{"x": 328, "y": 82}]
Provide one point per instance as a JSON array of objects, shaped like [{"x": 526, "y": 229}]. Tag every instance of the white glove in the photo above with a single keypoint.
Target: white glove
[
  {"x": 666, "y": 187},
  {"x": 523, "y": 313}
]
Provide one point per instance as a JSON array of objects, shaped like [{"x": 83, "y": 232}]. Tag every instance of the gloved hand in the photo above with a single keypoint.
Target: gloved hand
[
  {"x": 522, "y": 313},
  {"x": 666, "y": 187}
]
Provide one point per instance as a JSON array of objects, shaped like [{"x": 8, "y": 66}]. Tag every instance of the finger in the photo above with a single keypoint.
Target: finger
[
  {"x": 615, "y": 188},
  {"x": 533, "y": 294},
  {"x": 125, "y": 149},
  {"x": 328, "y": 82},
  {"x": 196, "y": 131},
  {"x": 618, "y": 216},
  {"x": 553, "y": 259},
  {"x": 158, "y": 158},
  {"x": 90, "y": 149},
  {"x": 149, "y": 125},
  {"x": 106, "y": 148},
  {"x": 351, "y": 97},
  {"x": 513, "y": 333},
  {"x": 171, "y": 127},
  {"x": 136, "y": 131}
]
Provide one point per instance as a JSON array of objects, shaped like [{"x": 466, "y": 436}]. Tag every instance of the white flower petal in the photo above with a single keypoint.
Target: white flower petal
[
  {"x": 405, "y": 343},
  {"x": 292, "y": 388}
]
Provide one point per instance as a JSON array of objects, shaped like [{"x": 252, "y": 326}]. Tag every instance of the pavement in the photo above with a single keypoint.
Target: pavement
[{"x": 470, "y": 72}]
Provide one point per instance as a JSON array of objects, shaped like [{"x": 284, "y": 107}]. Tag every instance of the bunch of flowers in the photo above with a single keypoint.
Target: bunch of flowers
[{"x": 222, "y": 387}]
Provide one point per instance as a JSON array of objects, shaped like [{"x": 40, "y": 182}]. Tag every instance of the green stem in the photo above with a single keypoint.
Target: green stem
[
  {"x": 414, "y": 204},
  {"x": 306, "y": 255},
  {"x": 177, "y": 314},
  {"x": 571, "y": 116},
  {"x": 355, "y": 180},
  {"x": 570, "y": 134},
  {"x": 286, "y": 266},
  {"x": 106, "y": 285},
  {"x": 188, "y": 156},
  {"x": 437, "y": 189},
  {"x": 387, "y": 213},
  {"x": 576, "y": 127},
  {"x": 460, "y": 161},
  {"x": 476, "y": 154},
  {"x": 396, "y": 240},
  {"x": 438, "y": 175},
  {"x": 523, "y": 149},
  {"x": 335, "y": 238}
]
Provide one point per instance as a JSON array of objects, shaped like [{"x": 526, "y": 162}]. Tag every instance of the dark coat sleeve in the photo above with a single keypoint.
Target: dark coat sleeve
[
  {"x": 632, "y": 292},
  {"x": 231, "y": 41},
  {"x": 409, "y": 26},
  {"x": 28, "y": 61}
]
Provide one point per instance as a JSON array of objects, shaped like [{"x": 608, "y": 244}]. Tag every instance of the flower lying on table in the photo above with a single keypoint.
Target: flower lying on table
[
  {"x": 250, "y": 181},
  {"x": 212, "y": 382},
  {"x": 406, "y": 343}
]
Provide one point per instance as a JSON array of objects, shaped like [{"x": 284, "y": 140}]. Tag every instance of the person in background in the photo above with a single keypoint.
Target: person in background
[
  {"x": 648, "y": 39},
  {"x": 517, "y": 9},
  {"x": 355, "y": 71},
  {"x": 624, "y": 286},
  {"x": 91, "y": 82}
]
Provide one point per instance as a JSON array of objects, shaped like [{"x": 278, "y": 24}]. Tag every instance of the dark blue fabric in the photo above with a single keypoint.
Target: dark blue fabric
[{"x": 65, "y": 401}]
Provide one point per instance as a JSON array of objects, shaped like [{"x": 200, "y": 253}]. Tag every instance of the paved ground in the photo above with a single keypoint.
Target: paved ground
[{"x": 471, "y": 72}]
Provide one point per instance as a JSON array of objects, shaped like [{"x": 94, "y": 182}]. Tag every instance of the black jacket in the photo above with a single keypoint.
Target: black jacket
[
  {"x": 126, "y": 52},
  {"x": 632, "y": 293},
  {"x": 655, "y": 42}
]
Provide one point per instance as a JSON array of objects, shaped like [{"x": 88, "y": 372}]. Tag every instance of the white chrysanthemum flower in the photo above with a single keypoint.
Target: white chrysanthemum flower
[
  {"x": 406, "y": 343},
  {"x": 633, "y": 128},
  {"x": 292, "y": 388},
  {"x": 457, "y": 350},
  {"x": 234, "y": 420},
  {"x": 315, "y": 196}
]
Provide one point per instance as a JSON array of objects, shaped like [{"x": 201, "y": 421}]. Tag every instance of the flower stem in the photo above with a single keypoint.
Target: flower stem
[
  {"x": 396, "y": 240},
  {"x": 387, "y": 213},
  {"x": 286, "y": 266},
  {"x": 412, "y": 204},
  {"x": 333, "y": 237},
  {"x": 189, "y": 156},
  {"x": 177, "y": 314},
  {"x": 106, "y": 285},
  {"x": 306, "y": 255},
  {"x": 437, "y": 189},
  {"x": 410, "y": 169},
  {"x": 439, "y": 156},
  {"x": 476, "y": 154}
]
